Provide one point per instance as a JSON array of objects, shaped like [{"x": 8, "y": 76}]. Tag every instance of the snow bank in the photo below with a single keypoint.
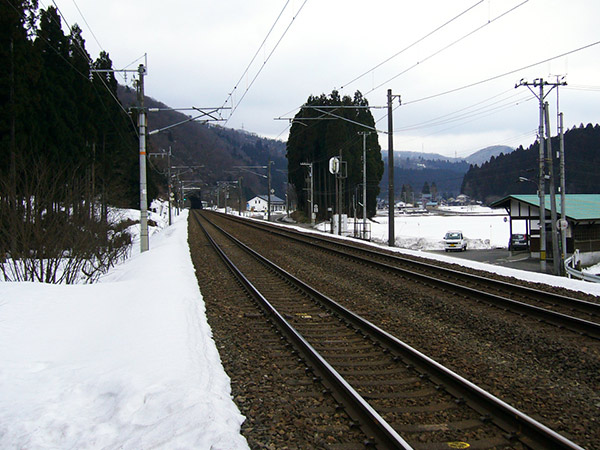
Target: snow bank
[
  {"x": 416, "y": 235},
  {"x": 127, "y": 363}
]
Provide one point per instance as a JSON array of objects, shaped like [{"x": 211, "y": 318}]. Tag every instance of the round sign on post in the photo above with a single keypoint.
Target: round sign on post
[
  {"x": 334, "y": 165},
  {"x": 563, "y": 224}
]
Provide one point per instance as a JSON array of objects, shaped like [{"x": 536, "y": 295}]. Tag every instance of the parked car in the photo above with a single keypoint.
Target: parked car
[
  {"x": 518, "y": 242},
  {"x": 455, "y": 240}
]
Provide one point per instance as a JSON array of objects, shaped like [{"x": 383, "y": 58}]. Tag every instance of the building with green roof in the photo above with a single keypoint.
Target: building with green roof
[{"x": 582, "y": 215}]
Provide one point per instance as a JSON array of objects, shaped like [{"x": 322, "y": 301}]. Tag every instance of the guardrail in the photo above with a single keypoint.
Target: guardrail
[{"x": 573, "y": 272}]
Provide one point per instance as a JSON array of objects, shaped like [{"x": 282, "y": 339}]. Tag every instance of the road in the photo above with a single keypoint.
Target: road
[{"x": 500, "y": 257}]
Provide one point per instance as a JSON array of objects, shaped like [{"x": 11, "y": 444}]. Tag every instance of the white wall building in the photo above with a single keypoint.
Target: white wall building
[{"x": 260, "y": 202}]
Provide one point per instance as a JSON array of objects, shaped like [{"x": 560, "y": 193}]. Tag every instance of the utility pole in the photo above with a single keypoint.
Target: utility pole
[
  {"x": 391, "y": 196},
  {"x": 144, "y": 245},
  {"x": 553, "y": 217},
  {"x": 269, "y": 190},
  {"x": 240, "y": 194},
  {"x": 563, "y": 213},
  {"x": 340, "y": 196},
  {"x": 539, "y": 82},
  {"x": 312, "y": 207},
  {"x": 141, "y": 71},
  {"x": 162, "y": 155},
  {"x": 169, "y": 182},
  {"x": 364, "y": 135}
]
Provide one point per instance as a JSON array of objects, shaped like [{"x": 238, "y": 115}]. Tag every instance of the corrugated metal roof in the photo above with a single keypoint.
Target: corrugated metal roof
[
  {"x": 577, "y": 206},
  {"x": 274, "y": 198}
]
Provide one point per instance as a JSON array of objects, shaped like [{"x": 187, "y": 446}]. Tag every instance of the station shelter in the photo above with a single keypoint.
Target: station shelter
[{"x": 582, "y": 216}]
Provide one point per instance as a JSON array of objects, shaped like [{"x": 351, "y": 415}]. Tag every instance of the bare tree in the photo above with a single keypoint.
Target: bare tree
[{"x": 49, "y": 234}]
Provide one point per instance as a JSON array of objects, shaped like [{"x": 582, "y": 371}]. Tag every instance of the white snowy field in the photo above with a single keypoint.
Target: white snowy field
[
  {"x": 483, "y": 228},
  {"x": 126, "y": 363}
]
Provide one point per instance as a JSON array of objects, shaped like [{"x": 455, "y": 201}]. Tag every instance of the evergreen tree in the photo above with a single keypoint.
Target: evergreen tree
[
  {"x": 425, "y": 190},
  {"x": 434, "y": 191},
  {"x": 331, "y": 134}
]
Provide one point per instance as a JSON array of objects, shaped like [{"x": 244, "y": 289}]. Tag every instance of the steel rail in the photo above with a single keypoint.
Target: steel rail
[
  {"x": 586, "y": 327},
  {"x": 358, "y": 408},
  {"x": 528, "y": 430},
  {"x": 549, "y": 297}
]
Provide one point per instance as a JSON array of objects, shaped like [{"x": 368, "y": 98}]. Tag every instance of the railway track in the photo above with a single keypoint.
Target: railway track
[
  {"x": 401, "y": 398},
  {"x": 580, "y": 316}
]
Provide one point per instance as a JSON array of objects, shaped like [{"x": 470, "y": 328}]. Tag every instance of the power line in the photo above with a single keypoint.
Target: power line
[
  {"x": 83, "y": 52},
  {"x": 482, "y": 111},
  {"x": 495, "y": 77},
  {"x": 86, "y": 23},
  {"x": 433, "y": 54},
  {"x": 256, "y": 54},
  {"x": 418, "y": 63},
  {"x": 412, "y": 45},
  {"x": 265, "y": 62}
]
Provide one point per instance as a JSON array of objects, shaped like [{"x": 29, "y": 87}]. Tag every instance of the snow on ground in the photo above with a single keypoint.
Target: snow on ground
[
  {"x": 483, "y": 228},
  {"x": 127, "y": 363},
  {"x": 417, "y": 235}
]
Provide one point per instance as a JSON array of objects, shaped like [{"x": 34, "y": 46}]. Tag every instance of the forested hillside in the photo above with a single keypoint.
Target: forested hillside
[
  {"x": 499, "y": 177},
  {"x": 411, "y": 174},
  {"x": 217, "y": 149}
]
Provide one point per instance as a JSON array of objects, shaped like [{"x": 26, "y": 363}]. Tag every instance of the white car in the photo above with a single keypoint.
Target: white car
[{"x": 455, "y": 240}]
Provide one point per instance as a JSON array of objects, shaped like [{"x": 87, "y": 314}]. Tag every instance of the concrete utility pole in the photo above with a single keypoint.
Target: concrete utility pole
[
  {"x": 539, "y": 82},
  {"x": 312, "y": 207},
  {"x": 144, "y": 245},
  {"x": 269, "y": 190},
  {"x": 553, "y": 216},
  {"x": 563, "y": 213},
  {"x": 168, "y": 155},
  {"x": 364, "y": 135},
  {"x": 340, "y": 197},
  {"x": 391, "y": 196}
]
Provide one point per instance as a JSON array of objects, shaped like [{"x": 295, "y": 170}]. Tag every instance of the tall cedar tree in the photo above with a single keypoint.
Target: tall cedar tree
[
  {"x": 52, "y": 114},
  {"x": 316, "y": 141}
]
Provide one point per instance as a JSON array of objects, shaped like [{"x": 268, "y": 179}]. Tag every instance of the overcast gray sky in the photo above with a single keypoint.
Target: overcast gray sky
[{"x": 197, "y": 51}]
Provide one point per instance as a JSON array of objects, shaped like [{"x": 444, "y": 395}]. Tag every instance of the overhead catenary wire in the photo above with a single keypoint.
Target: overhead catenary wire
[
  {"x": 470, "y": 113},
  {"x": 234, "y": 108},
  {"x": 446, "y": 47},
  {"x": 230, "y": 96},
  {"x": 83, "y": 52},
  {"x": 504, "y": 74},
  {"x": 431, "y": 33},
  {"x": 433, "y": 54}
]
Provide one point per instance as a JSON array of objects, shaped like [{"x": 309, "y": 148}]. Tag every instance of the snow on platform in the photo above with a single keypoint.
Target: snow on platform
[{"x": 128, "y": 362}]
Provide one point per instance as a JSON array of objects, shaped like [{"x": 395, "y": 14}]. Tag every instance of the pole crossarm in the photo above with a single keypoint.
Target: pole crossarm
[
  {"x": 538, "y": 82},
  {"x": 322, "y": 110},
  {"x": 342, "y": 107},
  {"x": 345, "y": 119},
  {"x": 247, "y": 169}
]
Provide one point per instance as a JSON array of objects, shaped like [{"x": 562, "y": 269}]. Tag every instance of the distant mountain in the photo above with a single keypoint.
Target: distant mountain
[
  {"x": 217, "y": 149},
  {"x": 446, "y": 173},
  {"x": 485, "y": 154},
  {"x": 479, "y": 157},
  {"x": 420, "y": 155}
]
